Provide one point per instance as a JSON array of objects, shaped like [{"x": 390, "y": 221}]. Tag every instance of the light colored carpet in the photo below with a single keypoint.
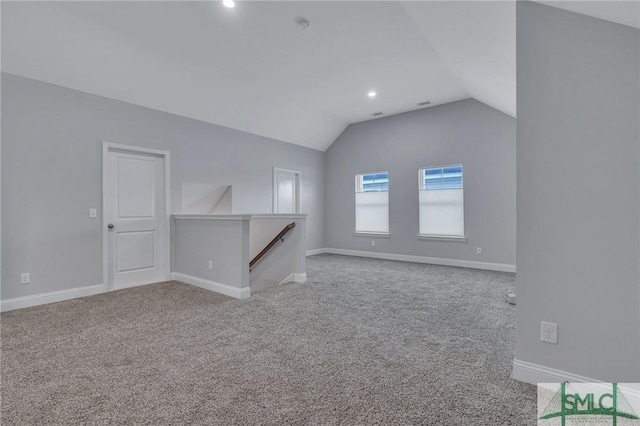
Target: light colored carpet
[{"x": 363, "y": 342}]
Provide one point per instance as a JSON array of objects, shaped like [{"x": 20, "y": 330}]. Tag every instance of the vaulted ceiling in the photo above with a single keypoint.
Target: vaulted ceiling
[{"x": 253, "y": 68}]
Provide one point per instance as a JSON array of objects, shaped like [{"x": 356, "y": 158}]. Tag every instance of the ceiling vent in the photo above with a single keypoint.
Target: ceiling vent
[
  {"x": 377, "y": 114},
  {"x": 425, "y": 103}
]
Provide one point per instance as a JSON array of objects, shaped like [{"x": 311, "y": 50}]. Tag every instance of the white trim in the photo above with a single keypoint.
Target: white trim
[
  {"x": 105, "y": 235},
  {"x": 442, "y": 238},
  {"x": 300, "y": 278},
  {"x": 166, "y": 222},
  {"x": 134, "y": 149},
  {"x": 538, "y": 374},
  {"x": 227, "y": 290},
  {"x": 295, "y": 278},
  {"x": 239, "y": 216},
  {"x": 50, "y": 297},
  {"x": 372, "y": 234},
  {"x": 0, "y": 194},
  {"x": 313, "y": 252},
  {"x": 280, "y": 216},
  {"x": 501, "y": 267},
  {"x": 532, "y": 373},
  {"x": 289, "y": 279},
  {"x": 211, "y": 217}
]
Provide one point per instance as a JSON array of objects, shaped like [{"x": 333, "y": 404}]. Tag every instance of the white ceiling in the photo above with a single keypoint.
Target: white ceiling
[
  {"x": 625, "y": 12},
  {"x": 251, "y": 68}
]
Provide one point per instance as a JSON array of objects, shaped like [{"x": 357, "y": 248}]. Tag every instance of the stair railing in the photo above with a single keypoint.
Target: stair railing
[{"x": 279, "y": 237}]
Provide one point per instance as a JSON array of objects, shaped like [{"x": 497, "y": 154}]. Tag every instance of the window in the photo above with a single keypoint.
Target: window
[
  {"x": 372, "y": 203},
  {"x": 441, "y": 200}
]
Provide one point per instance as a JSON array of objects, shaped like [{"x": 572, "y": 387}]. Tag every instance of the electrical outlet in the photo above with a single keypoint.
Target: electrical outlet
[
  {"x": 25, "y": 278},
  {"x": 210, "y": 265},
  {"x": 373, "y": 243},
  {"x": 478, "y": 250},
  {"x": 549, "y": 332}
]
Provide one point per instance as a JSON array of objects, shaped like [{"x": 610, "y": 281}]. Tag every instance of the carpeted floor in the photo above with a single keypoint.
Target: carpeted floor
[{"x": 363, "y": 342}]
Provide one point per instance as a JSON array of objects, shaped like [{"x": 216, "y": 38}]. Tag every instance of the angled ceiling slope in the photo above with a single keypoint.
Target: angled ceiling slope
[
  {"x": 250, "y": 68},
  {"x": 625, "y": 12},
  {"x": 477, "y": 41},
  {"x": 253, "y": 69}
]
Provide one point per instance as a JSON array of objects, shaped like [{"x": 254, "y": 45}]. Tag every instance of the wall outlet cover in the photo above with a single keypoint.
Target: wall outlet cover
[{"x": 549, "y": 332}]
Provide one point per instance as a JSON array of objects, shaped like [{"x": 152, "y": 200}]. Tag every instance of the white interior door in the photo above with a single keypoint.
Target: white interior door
[
  {"x": 286, "y": 191},
  {"x": 135, "y": 218}
]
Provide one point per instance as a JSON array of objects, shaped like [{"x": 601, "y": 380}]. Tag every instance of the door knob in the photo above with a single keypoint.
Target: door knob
[{"x": 110, "y": 226}]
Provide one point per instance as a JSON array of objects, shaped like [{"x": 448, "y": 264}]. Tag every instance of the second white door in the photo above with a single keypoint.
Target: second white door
[{"x": 286, "y": 191}]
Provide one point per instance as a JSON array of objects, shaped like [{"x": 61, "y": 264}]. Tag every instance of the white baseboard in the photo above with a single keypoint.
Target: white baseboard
[
  {"x": 50, "y": 297},
  {"x": 227, "y": 290},
  {"x": 501, "y": 267},
  {"x": 315, "y": 251},
  {"x": 289, "y": 279},
  {"x": 533, "y": 373},
  {"x": 538, "y": 374},
  {"x": 74, "y": 293},
  {"x": 295, "y": 278}
]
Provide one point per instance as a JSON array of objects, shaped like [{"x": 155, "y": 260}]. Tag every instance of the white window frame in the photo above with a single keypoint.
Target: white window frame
[
  {"x": 442, "y": 237},
  {"x": 357, "y": 232}
]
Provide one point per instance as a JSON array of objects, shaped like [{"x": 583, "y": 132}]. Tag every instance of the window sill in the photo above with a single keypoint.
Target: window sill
[
  {"x": 372, "y": 234},
  {"x": 442, "y": 238}
]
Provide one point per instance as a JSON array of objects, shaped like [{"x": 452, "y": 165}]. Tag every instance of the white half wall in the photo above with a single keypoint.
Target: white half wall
[
  {"x": 212, "y": 252},
  {"x": 227, "y": 290}
]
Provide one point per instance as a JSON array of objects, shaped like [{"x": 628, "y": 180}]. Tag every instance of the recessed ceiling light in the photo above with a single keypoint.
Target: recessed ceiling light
[
  {"x": 372, "y": 94},
  {"x": 229, "y": 3}
]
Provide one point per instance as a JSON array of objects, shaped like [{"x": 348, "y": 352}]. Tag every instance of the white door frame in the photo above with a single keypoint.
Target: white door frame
[
  {"x": 166, "y": 221},
  {"x": 274, "y": 190}
]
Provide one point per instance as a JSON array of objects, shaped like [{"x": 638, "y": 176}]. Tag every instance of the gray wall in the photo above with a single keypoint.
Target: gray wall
[
  {"x": 466, "y": 132},
  {"x": 223, "y": 242},
  {"x": 578, "y": 193},
  {"x": 52, "y": 174}
]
